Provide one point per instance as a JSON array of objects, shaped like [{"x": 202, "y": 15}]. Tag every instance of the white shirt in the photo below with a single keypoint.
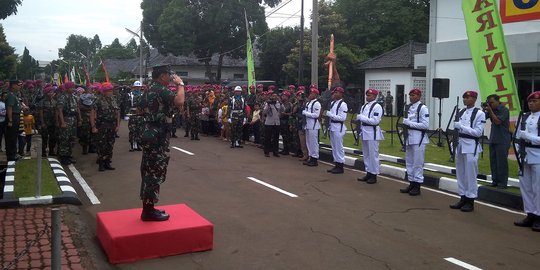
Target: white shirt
[
  {"x": 338, "y": 116},
  {"x": 369, "y": 133},
  {"x": 419, "y": 122},
  {"x": 312, "y": 112},
  {"x": 533, "y": 154},
  {"x": 468, "y": 145}
]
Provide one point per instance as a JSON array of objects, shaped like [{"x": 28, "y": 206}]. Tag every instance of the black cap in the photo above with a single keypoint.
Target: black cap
[{"x": 160, "y": 69}]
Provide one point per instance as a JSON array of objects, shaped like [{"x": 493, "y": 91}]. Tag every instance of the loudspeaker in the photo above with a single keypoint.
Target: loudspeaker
[{"x": 441, "y": 88}]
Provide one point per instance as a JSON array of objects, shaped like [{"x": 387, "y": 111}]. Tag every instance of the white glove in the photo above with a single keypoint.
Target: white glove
[
  {"x": 304, "y": 112},
  {"x": 526, "y": 136},
  {"x": 362, "y": 118},
  {"x": 406, "y": 121},
  {"x": 229, "y": 120},
  {"x": 457, "y": 125}
]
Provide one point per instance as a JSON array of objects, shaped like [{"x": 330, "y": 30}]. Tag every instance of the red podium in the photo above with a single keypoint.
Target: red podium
[{"x": 125, "y": 238}]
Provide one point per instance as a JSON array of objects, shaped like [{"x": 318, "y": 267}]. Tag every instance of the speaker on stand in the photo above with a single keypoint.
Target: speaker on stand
[{"x": 440, "y": 89}]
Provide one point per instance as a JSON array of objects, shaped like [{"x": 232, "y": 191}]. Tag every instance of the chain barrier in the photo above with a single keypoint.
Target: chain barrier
[{"x": 27, "y": 247}]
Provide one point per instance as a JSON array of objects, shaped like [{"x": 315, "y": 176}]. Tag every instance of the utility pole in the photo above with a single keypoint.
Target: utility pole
[
  {"x": 301, "y": 56},
  {"x": 315, "y": 43},
  {"x": 140, "y": 56}
]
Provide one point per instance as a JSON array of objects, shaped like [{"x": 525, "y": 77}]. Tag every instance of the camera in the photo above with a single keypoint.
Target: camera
[{"x": 485, "y": 105}]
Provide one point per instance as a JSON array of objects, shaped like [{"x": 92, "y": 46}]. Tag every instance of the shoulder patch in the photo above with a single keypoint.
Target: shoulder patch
[
  {"x": 427, "y": 115},
  {"x": 376, "y": 114},
  {"x": 483, "y": 121}
]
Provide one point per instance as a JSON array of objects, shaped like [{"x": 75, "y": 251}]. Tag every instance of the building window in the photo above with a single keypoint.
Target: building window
[
  {"x": 238, "y": 76},
  {"x": 420, "y": 84},
  {"x": 382, "y": 85}
]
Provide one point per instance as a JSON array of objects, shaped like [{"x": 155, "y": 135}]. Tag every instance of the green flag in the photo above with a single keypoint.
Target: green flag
[
  {"x": 250, "y": 63},
  {"x": 489, "y": 53}
]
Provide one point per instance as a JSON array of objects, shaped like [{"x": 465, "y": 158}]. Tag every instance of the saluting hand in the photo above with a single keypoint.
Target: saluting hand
[{"x": 94, "y": 130}]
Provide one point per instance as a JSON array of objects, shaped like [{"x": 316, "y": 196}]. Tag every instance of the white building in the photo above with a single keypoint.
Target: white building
[{"x": 448, "y": 56}]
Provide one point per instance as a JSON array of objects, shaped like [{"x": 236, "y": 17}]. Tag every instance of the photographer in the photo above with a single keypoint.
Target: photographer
[
  {"x": 272, "y": 109},
  {"x": 499, "y": 140}
]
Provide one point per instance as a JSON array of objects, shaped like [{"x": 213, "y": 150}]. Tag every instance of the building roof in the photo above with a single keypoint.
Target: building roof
[
  {"x": 115, "y": 66},
  {"x": 400, "y": 57}
]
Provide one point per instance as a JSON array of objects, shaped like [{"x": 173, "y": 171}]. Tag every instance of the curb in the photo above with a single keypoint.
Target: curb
[
  {"x": 487, "y": 194},
  {"x": 69, "y": 194}
]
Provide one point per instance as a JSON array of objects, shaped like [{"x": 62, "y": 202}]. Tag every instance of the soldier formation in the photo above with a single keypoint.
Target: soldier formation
[{"x": 92, "y": 114}]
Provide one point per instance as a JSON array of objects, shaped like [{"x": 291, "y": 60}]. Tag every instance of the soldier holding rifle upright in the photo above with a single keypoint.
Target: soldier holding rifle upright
[
  {"x": 528, "y": 130},
  {"x": 471, "y": 127}
]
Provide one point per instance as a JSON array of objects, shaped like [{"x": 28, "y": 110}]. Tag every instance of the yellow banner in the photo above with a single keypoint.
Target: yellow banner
[{"x": 519, "y": 10}]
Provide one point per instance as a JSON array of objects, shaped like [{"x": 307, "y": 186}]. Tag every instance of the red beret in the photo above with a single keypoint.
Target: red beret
[
  {"x": 69, "y": 85},
  {"x": 301, "y": 87},
  {"x": 48, "y": 89},
  {"x": 300, "y": 92},
  {"x": 270, "y": 92},
  {"x": 106, "y": 87},
  {"x": 314, "y": 90},
  {"x": 286, "y": 93},
  {"x": 339, "y": 89},
  {"x": 415, "y": 91},
  {"x": 260, "y": 85},
  {"x": 534, "y": 95},
  {"x": 372, "y": 91},
  {"x": 244, "y": 86},
  {"x": 292, "y": 86},
  {"x": 252, "y": 87},
  {"x": 470, "y": 93}
]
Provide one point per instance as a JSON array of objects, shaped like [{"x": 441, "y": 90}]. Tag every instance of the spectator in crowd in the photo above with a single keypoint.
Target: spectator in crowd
[
  {"x": 29, "y": 127},
  {"x": 499, "y": 140}
]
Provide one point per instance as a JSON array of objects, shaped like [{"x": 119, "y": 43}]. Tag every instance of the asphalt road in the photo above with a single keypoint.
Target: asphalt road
[{"x": 334, "y": 223}]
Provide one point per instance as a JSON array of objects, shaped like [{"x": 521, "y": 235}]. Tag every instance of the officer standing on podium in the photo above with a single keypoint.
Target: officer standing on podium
[{"x": 155, "y": 104}]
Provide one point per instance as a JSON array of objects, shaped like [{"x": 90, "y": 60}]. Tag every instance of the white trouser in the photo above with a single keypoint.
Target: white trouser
[
  {"x": 415, "y": 162},
  {"x": 530, "y": 188},
  {"x": 312, "y": 142},
  {"x": 336, "y": 140},
  {"x": 466, "y": 172},
  {"x": 370, "y": 150}
]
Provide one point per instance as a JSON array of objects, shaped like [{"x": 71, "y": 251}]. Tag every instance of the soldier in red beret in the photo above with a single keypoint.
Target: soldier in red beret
[
  {"x": 337, "y": 116},
  {"x": 370, "y": 117},
  {"x": 416, "y": 124},
  {"x": 312, "y": 126},
  {"x": 528, "y": 129},
  {"x": 67, "y": 110},
  {"x": 284, "y": 119},
  {"x": 471, "y": 127}
]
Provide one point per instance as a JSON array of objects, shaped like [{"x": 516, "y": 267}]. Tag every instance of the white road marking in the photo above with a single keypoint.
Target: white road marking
[
  {"x": 441, "y": 192},
  {"x": 184, "y": 151},
  {"x": 462, "y": 264},
  {"x": 272, "y": 187},
  {"x": 89, "y": 192}
]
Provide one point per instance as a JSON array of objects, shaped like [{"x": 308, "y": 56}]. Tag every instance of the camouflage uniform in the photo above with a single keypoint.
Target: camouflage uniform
[
  {"x": 284, "y": 128},
  {"x": 187, "y": 124},
  {"x": 237, "y": 114},
  {"x": 85, "y": 131},
  {"x": 155, "y": 104},
  {"x": 135, "y": 125},
  {"x": 107, "y": 111},
  {"x": 49, "y": 128},
  {"x": 67, "y": 136},
  {"x": 194, "y": 107}
]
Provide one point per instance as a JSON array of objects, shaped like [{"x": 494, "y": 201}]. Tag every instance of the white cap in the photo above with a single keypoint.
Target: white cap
[
  {"x": 238, "y": 88},
  {"x": 137, "y": 83}
]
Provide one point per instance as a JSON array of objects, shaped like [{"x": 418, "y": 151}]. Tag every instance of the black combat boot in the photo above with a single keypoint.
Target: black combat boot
[
  {"x": 365, "y": 178},
  {"x": 468, "y": 206},
  {"x": 85, "y": 149},
  {"x": 131, "y": 147},
  {"x": 137, "y": 146},
  {"x": 107, "y": 165},
  {"x": 307, "y": 161},
  {"x": 459, "y": 204},
  {"x": 187, "y": 134},
  {"x": 192, "y": 136},
  {"x": 173, "y": 135},
  {"x": 313, "y": 162},
  {"x": 407, "y": 189},
  {"x": 92, "y": 149},
  {"x": 101, "y": 166},
  {"x": 149, "y": 213},
  {"x": 332, "y": 169},
  {"x": 372, "y": 179},
  {"x": 536, "y": 224},
  {"x": 338, "y": 169},
  {"x": 65, "y": 160},
  {"x": 232, "y": 144},
  {"x": 72, "y": 160},
  {"x": 415, "y": 190},
  {"x": 527, "y": 222},
  {"x": 197, "y": 137}
]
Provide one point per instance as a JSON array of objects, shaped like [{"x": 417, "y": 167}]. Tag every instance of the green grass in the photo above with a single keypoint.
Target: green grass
[
  {"x": 25, "y": 179},
  {"x": 434, "y": 154}
]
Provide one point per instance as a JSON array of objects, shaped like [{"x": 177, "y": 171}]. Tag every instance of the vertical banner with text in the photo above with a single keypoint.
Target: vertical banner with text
[
  {"x": 249, "y": 58},
  {"x": 489, "y": 54}
]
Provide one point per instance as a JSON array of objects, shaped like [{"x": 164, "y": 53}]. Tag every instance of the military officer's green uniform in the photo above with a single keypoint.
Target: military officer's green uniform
[
  {"x": 107, "y": 117},
  {"x": 194, "y": 107},
  {"x": 48, "y": 128},
  {"x": 67, "y": 104}
]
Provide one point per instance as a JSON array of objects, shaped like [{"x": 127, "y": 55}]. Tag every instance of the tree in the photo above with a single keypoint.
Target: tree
[
  {"x": 27, "y": 67},
  {"x": 379, "y": 26},
  {"x": 8, "y": 7},
  {"x": 95, "y": 44},
  {"x": 77, "y": 48},
  {"x": 8, "y": 59},
  {"x": 275, "y": 46},
  {"x": 117, "y": 51},
  {"x": 204, "y": 27}
]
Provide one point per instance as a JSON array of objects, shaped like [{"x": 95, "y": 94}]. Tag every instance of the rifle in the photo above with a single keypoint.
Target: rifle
[
  {"x": 404, "y": 134},
  {"x": 520, "y": 153},
  {"x": 352, "y": 123},
  {"x": 455, "y": 133}
]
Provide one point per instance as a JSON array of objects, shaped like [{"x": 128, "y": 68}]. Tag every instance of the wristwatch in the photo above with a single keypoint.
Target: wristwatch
[{"x": 181, "y": 83}]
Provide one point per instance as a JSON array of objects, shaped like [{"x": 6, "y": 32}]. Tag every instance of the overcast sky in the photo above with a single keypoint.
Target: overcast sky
[{"x": 43, "y": 26}]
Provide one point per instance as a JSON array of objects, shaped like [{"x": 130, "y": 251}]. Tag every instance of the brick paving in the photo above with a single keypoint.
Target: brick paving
[{"x": 21, "y": 226}]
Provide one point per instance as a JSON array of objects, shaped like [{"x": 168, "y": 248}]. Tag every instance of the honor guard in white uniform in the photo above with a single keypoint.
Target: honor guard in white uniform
[
  {"x": 338, "y": 115},
  {"x": 312, "y": 112},
  {"x": 416, "y": 124},
  {"x": 471, "y": 126},
  {"x": 370, "y": 116},
  {"x": 529, "y": 130}
]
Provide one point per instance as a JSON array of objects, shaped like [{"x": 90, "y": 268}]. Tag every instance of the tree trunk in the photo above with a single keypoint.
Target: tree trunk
[{"x": 208, "y": 69}]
